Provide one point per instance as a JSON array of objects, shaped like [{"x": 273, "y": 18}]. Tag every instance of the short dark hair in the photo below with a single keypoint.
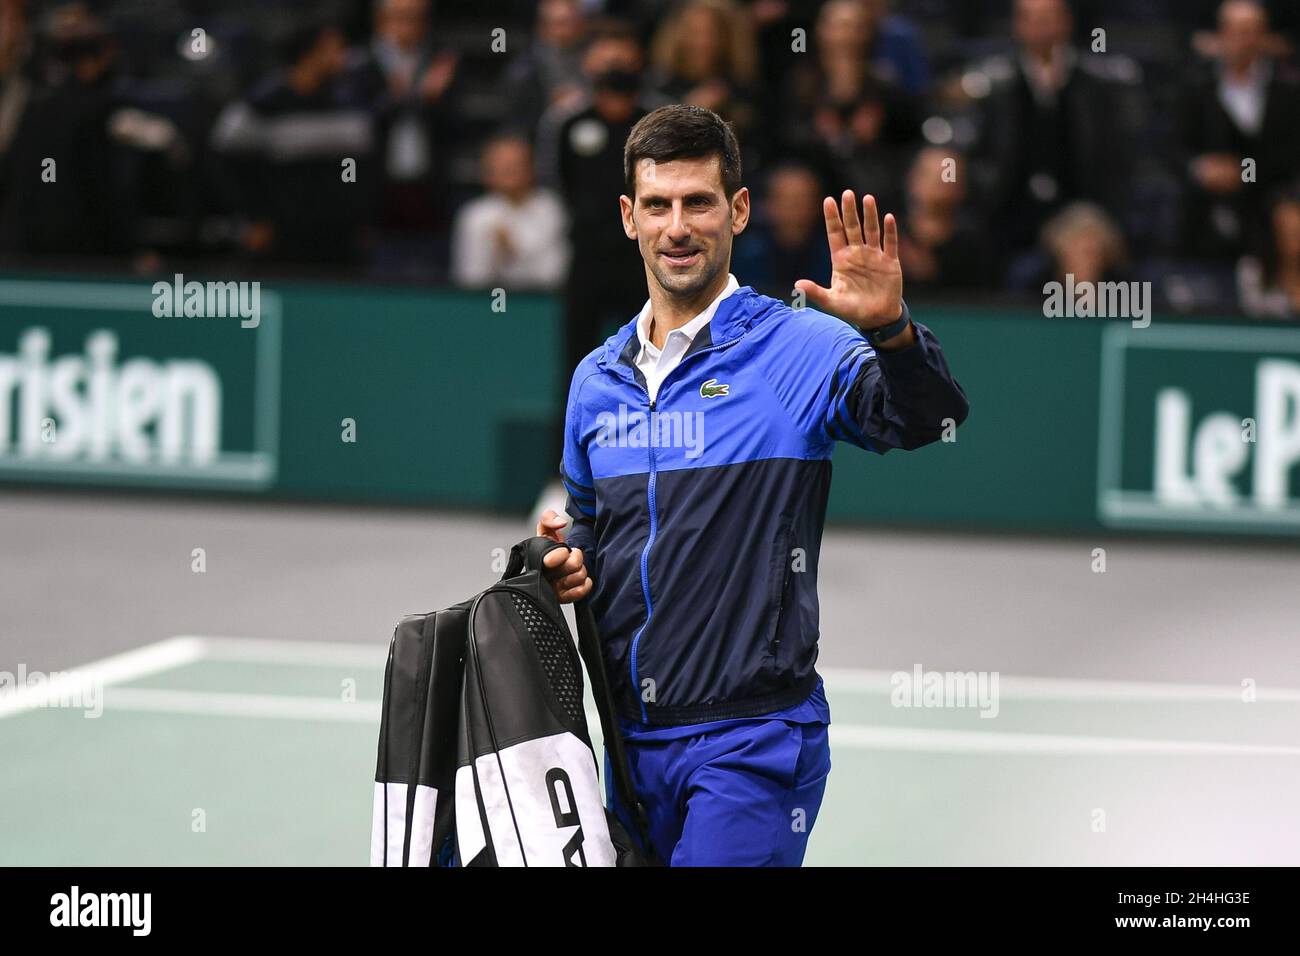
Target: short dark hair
[{"x": 680, "y": 131}]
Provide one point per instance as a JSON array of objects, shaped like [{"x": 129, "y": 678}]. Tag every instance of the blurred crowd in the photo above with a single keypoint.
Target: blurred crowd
[{"x": 480, "y": 143}]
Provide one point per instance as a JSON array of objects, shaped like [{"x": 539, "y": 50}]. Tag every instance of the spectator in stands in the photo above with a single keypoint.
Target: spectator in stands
[
  {"x": 580, "y": 153},
  {"x": 704, "y": 54},
  {"x": 1268, "y": 285},
  {"x": 895, "y": 48},
  {"x": 289, "y": 142},
  {"x": 786, "y": 238},
  {"x": 940, "y": 244},
  {"x": 1244, "y": 108},
  {"x": 1056, "y": 126},
  {"x": 514, "y": 236},
  {"x": 15, "y": 78},
  {"x": 549, "y": 73},
  {"x": 1199, "y": 19},
  {"x": 855, "y": 127},
  {"x": 406, "y": 79},
  {"x": 1082, "y": 241},
  {"x": 81, "y": 209}
]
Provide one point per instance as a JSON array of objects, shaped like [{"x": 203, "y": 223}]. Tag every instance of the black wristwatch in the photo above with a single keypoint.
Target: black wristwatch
[{"x": 887, "y": 332}]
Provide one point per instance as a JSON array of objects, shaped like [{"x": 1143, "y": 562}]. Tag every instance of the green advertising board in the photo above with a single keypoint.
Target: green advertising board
[
  {"x": 449, "y": 399},
  {"x": 1200, "y": 428}
]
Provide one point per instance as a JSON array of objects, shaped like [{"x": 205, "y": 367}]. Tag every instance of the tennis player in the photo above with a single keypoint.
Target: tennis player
[{"x": 697, "y": 462}]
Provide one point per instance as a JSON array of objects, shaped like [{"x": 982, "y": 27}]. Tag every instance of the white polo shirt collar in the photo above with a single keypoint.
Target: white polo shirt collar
[{"x": 655, "y": 364}]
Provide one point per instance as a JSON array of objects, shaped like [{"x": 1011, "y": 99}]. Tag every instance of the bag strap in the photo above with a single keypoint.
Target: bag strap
[
  {"x": 527, "y": 555},
  {"x": 589, "y": 646},
  {"x": 382, "y": 770}
]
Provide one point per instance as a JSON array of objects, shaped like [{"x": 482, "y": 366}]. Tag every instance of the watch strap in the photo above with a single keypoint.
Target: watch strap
[{"x": 886, "y": 332}]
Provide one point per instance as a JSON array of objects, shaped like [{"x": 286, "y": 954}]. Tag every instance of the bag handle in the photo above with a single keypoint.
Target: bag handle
[{"x": 526, "y": 556}]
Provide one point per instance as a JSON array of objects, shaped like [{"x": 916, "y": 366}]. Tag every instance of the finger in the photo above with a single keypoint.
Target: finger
[
  {"x": 552, "y": 560},
  {"x": 852, "y": 228},
  {"x": 891, "y": 236},
  {"x": 813, "y": 293},
  {"x": 574, "y": 580},
  {"x": 574, "y": 561},
  {"x": 570, "y": 595},
  {"x": 549, "y": 525},
  {"x": 871, "y": 222},
  {"x": 834, "y": 225}
]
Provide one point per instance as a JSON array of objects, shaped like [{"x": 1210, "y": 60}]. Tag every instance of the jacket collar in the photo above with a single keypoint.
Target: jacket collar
[{"x": 733, "y": 317}]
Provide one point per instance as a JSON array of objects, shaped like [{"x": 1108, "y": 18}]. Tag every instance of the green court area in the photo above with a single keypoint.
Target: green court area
[{"x": 213, "y": 751}]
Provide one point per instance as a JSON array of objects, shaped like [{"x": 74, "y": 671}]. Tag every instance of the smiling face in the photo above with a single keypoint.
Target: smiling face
[{"x": 683, "y": 223}]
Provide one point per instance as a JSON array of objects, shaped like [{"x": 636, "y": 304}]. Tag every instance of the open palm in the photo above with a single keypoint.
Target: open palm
[{"x": 866, "y": 278}]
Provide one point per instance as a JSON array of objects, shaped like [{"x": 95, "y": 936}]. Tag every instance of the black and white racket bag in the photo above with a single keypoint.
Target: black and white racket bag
[{"x": 484, "y": 754}]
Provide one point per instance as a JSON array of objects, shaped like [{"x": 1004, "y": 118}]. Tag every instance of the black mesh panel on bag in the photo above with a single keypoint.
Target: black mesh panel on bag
[{"x": 559, "y": 660}]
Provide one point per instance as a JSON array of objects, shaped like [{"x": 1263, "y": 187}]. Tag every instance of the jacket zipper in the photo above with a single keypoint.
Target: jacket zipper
[
  {"x": 645, "y": 569},
  {"x": 654, "y": 527}
]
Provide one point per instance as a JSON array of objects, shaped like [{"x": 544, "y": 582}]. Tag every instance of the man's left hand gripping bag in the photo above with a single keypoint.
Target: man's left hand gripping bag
[{"x": 484, "y": 754}]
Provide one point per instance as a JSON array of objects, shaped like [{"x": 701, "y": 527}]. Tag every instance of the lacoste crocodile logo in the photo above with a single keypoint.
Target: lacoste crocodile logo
[{"x": 711, "y": 389}]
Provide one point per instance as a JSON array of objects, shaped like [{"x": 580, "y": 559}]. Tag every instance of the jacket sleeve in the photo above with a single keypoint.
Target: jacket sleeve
[
  {"x": 875, "y": 400},
  {"x": 575, "y": 472}
]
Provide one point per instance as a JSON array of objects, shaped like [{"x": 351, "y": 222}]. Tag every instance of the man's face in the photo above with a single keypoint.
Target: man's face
[
  {"x": 794, "y": 201},
  {"x": 404, "y": 23},
  {"x": 559, "y": 23},
  {"x": 843, "y": 27},
  {"x": 507, "y": 167},
  {"x": 1041, "y": 25},
  {"x": 927, "y": 183},
  {"x": 329, "y": 55},
  {"x": 1243, "y": 28},
  {"x": 683, "y": 223}
]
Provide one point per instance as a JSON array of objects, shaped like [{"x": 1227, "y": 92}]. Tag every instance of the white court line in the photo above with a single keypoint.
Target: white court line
[
  {"x": 186, "y": 649},
  {"x": 976, "y": 741},
  {"x": 216, "y": 704},
  {"x": 131, "y": 665},
  {"x": 206, "y": 703},
  {"x": 854, "y": 680},
  {"x": 220, "y": 704},
  {"x": 307, "y": 653},
  {"x": 838, "y": 679}
]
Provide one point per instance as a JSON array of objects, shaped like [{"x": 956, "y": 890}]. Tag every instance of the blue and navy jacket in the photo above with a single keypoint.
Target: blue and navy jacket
[{"x": 700, "y": 514}]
